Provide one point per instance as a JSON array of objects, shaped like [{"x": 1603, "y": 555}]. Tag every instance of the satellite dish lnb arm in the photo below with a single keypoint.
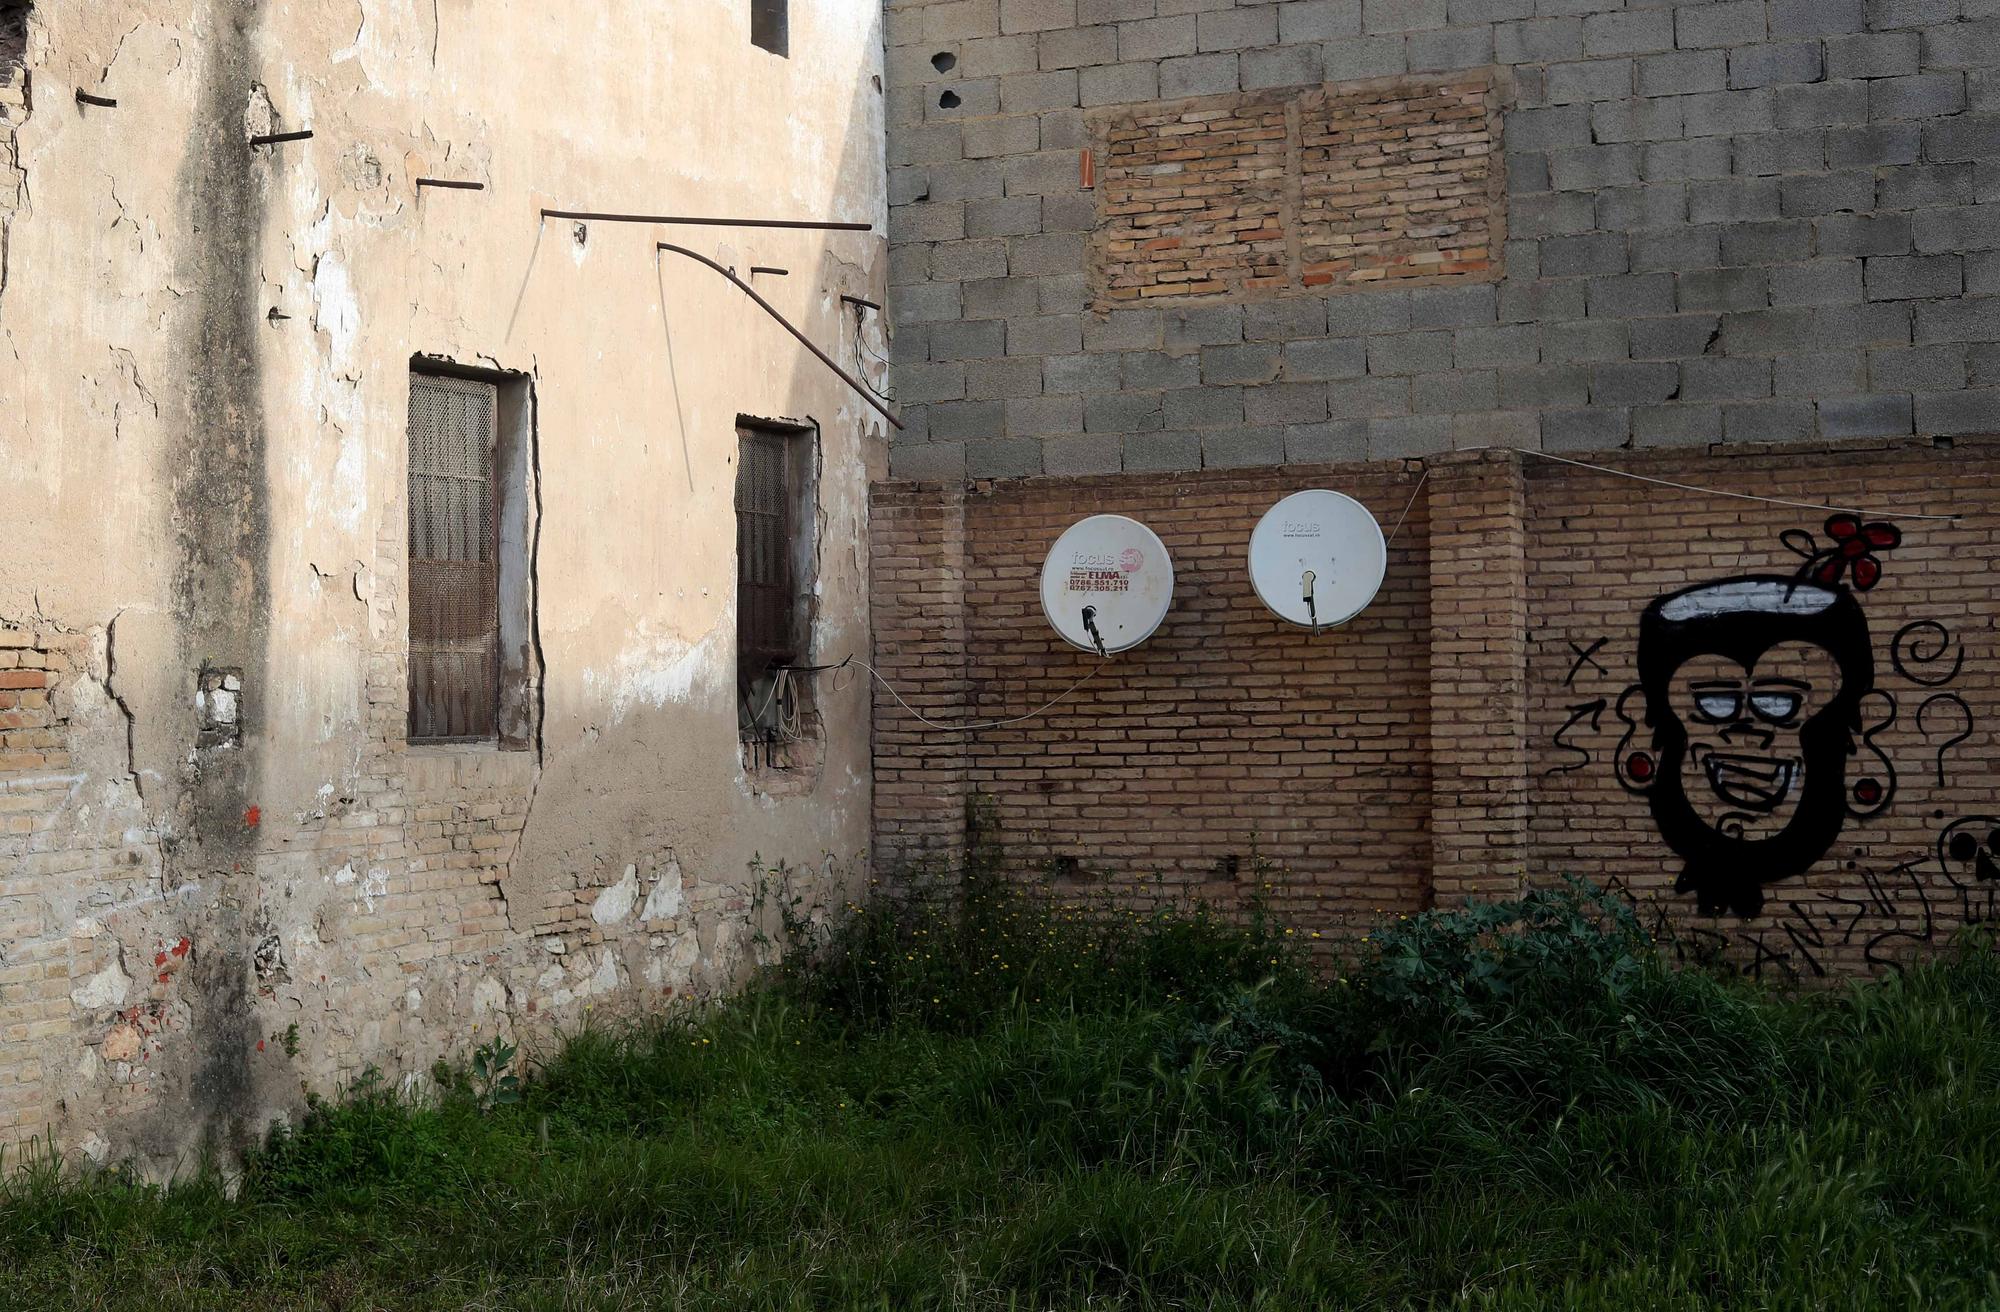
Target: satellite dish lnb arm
[{"x": 1090, "y": 627}]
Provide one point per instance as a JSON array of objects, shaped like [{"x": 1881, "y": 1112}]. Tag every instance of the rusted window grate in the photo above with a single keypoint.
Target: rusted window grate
[
  {"x": 766, "y": 634},
  {"x": 454, "y": 560}
]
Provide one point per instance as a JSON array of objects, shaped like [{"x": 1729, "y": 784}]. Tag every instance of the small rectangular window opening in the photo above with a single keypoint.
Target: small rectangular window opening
[
  {"x": 770, "y": 26},
  {"x": 469, "y": 602},
  {"x": 774, "y": 565}
]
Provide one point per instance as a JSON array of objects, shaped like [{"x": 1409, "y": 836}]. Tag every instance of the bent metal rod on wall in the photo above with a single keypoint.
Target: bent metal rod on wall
[
  {"x": 771, "y": 310},
  {"x": 815, "y": 225}
]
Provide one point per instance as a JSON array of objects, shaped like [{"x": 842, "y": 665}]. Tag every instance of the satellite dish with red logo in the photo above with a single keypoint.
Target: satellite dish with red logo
[{"x": 1107, "y": 583}]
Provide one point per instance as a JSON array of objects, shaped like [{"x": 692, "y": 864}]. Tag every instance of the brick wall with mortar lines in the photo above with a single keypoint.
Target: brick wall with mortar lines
[
  {"x": 411, "y": 942},
  {"x": 1432, "y": 751},
  {"x": 1226, "y": 744},
  {"x": 1231, "y": 197},
  {"x": 1601, "y": 548},
  {"x": 1194, "y": 201},
  {"x": 1739, "y": 221},
  {"x": 1398, "y": 182}
]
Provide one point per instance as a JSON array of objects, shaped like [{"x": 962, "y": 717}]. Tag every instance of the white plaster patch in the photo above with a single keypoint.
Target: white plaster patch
[
  {"x": 489, "y": 998},
  {"x": 658, "y": 670},
  {"x": 107, "y": 988},
  {"x": 96, "y": 1147},
  {"x": 376, "y": 885},
  {"x": 675, "y": 966},
  {"x": 666, "y": 900},
  {"x": 606, "y": 978},
  {"x": 615, "y": 903},
  {"x": 393, "y": 44},
  {"x": 336, "y": 310}
]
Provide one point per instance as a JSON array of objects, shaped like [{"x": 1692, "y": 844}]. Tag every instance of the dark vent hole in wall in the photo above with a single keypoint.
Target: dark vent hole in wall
[
  {"x": 949, "y": 100},
  {"x": 770, "y": 25},
  {"x": 944, "y": 61}
]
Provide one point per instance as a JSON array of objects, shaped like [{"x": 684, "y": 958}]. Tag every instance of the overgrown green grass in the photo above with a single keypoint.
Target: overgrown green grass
[{"x": 992, "y": 1102}]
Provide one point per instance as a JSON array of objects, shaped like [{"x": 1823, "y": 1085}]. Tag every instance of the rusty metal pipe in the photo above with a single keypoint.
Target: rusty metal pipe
[
  {"x": 771, "y": 310},
  {"x": 816, "y": 225}
]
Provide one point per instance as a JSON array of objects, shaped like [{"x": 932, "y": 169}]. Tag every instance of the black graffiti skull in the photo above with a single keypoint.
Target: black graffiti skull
[
  {"x": 1752, "y": 691},
  {"x": 1969, "y": 852},
  {"x": 1970, "y": 849}
]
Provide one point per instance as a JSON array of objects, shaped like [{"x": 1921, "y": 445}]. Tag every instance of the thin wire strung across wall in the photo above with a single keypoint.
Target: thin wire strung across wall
[
  {"x": 921, "y": 718},
  {"x": 1717, "y": 492},
  {"x": 1406, "y": 508},
  {"x": 1667, "y": 482},
  {"x": 1415, "y": 492}
]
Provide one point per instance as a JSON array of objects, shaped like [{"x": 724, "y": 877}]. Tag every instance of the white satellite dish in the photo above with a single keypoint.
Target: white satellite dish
[
  {"x": 1107, "y": 583},
  {"x": 1317, "y": 558}
]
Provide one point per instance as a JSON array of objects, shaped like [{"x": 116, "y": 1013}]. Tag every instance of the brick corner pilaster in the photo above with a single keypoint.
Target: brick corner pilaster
[
  {"x": 1479, "y": 652},
  {"x": 917, "y": 565}
]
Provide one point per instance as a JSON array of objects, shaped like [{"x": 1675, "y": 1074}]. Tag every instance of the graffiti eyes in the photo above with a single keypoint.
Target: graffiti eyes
[
  {"x": 1718, "y": 703},
  {"x": 1776, "y": 707},
  {"x": 1964, "y": 847},
  {"x": 1723, "y": 703}
]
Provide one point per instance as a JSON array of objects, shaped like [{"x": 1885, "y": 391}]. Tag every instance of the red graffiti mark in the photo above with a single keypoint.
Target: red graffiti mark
[
  {"x": 260, "y": 1045},
  {"x": 160, "y": 958},
  {"x": 181, "y": 948},
  {"x": 252, "y": 817},
  {"x": 165, "y": 976}
]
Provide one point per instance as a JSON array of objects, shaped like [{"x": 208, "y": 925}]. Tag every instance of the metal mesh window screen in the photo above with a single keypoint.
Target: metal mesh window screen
[
  {"x": 764, "y": 597},
  {"x": 454, "y": 603}
]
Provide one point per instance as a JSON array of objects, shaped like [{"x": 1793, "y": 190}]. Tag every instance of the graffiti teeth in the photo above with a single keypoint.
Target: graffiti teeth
[{"x": 1757, "y": 782}]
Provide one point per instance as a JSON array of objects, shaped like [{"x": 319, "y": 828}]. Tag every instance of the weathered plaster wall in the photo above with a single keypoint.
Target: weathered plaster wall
[{"x": 204, "y": 351}]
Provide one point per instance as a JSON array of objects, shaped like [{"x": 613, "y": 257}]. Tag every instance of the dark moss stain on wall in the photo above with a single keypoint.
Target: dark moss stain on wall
[{"x": 222, "y": 587}]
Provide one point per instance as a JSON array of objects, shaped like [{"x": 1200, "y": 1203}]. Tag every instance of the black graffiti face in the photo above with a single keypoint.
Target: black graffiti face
[
  {"x": 1752, "y": 690},
  {"x": 1970, "y": 849},
  {"x": 1746, "y": 760}
]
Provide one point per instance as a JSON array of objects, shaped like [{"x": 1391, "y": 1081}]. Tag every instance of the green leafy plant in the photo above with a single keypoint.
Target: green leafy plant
[
  {"x": 494, "y": 1083},
  {"x": 1189, "y": 1117}
]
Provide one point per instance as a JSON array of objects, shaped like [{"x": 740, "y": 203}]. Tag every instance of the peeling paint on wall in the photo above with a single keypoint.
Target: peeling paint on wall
[{"x": 204, "y": 411}]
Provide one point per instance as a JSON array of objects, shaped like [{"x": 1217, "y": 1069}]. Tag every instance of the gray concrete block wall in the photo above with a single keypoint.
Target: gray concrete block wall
[{"x": 1737, "y": 221}]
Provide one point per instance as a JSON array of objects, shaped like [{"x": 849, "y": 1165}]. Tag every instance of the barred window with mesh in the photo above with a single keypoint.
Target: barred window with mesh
[
  {"x": 766, "y": 600},
  {"x": 454, "y": 597}
]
